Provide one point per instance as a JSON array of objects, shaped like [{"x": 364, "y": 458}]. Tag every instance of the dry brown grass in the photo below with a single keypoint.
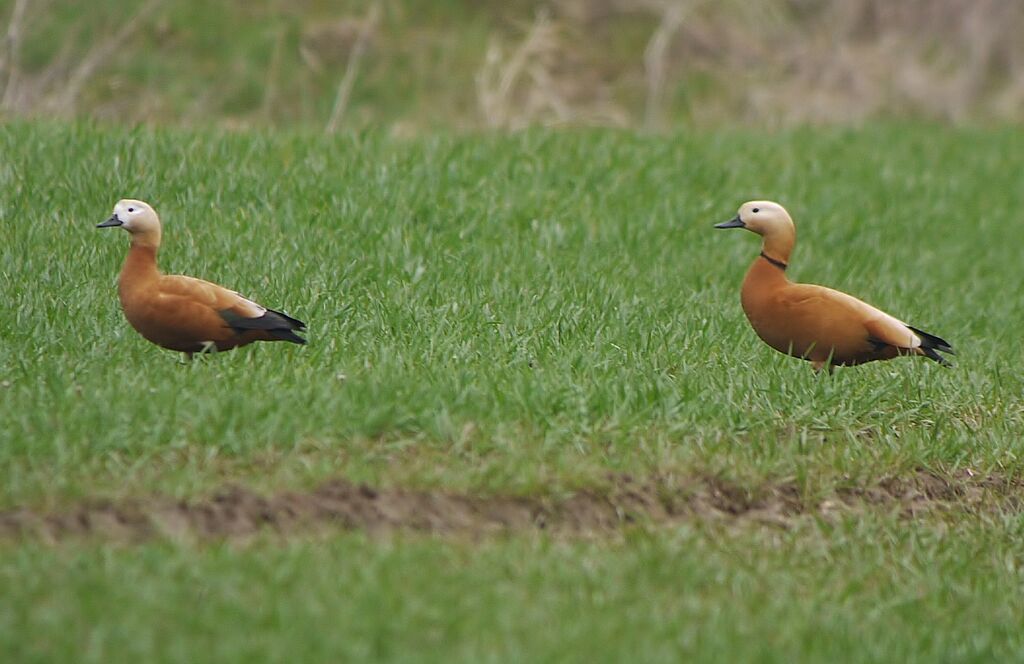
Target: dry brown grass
[
  {"x": 851, "y": 60},
  {"x": 56, "y": 89},
  {"x": 797, "y": 61},
  {"x": 541, "y": 80},
  {"x": 574, "y": 62}
]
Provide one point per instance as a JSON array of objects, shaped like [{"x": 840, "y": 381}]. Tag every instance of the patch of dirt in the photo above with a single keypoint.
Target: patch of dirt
[{"x": 237, "y": 512}]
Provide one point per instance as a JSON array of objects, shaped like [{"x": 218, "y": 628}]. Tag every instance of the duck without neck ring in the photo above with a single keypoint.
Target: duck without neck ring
[
  {"x": 183, "y": 313},
  {"x": 815, "y": 323}
]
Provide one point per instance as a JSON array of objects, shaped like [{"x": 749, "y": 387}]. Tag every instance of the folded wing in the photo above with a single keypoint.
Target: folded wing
[{"x": 220, "y": 307}]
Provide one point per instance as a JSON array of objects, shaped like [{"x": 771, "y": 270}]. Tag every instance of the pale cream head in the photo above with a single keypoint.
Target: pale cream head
[
  {"x": 765, "y": 217},
  {"x": 138, "y": 218},
  {"x": 770, "y": 221}
]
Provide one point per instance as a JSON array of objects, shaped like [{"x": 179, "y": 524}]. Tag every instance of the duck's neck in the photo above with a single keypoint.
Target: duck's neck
[
  {"x": 764, "y": 273},
  {"x": 139, "y": 267},
  {"x": 778, "y": 245}
]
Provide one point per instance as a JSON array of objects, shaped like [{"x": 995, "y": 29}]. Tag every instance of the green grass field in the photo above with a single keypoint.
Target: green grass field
[{"x": 511, "y": 315}]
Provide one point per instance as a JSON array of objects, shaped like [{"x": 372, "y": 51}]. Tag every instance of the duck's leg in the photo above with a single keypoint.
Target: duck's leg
[
  {"x": 206, "y": 347},
  {"x": 823, "y": 364}
]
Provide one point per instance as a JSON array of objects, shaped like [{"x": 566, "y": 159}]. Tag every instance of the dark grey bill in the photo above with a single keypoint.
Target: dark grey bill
[
  {"x": 113, "y": 221},
  {"x": 735, "y": 222}
]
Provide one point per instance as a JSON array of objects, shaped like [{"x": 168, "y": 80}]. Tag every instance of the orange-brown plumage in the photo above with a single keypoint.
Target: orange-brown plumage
[
  {"x": 812, "y": 322},
  {"x": 183, "y": 313}
]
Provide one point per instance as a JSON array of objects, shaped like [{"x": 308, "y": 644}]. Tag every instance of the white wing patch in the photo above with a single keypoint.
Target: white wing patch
[
  {"x": 892, "y": 325},
  {"x": 899, "y": 328},
  {"x": 250, "y": 308}
]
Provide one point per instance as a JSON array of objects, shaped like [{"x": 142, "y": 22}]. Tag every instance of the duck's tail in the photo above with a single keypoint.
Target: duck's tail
[
  {"x": 932, "y": 345},
  {"x": 280, "y": 326},
  {"x": 286, "y": 331}
]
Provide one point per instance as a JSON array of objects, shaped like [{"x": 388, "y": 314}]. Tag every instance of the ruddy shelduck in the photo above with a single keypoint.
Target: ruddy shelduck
[
  {"x": 812, "y": 322},
  {"x": 182, "y": 313}
]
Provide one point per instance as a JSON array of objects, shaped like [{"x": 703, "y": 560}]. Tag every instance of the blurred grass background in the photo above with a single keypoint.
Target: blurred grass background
[{"x": 419, "y": 65}]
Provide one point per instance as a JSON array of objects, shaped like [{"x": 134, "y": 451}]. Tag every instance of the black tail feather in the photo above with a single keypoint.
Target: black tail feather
[
  {"x": 932, "y": 355},
  {"x": 296, "y": 323},
  {"x": 932, "y": 345},
  {"x": 287, "y": 335},
  {"x": 932, "y": 341},
  {"x": 278, "y": 325}
]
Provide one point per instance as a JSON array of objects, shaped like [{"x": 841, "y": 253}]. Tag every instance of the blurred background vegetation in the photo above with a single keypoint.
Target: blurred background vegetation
[{"x": 415, "y": 65}]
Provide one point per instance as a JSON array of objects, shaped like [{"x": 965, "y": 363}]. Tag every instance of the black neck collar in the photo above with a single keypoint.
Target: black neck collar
[{"x": 777, "y": 263}]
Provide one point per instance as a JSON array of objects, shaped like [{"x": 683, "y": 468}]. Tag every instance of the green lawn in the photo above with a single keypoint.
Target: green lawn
[
  {"x": 867, "y": 591},
  {"x": 512, "y": 314}
]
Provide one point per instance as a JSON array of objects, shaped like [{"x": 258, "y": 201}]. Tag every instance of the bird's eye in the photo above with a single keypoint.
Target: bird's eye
[
  {"x": 755, "y": 210},
  {"x": 133, "y": 210}
]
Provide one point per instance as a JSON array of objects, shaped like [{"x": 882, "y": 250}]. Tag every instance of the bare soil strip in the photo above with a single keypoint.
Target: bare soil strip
[{"x": 237, "y": 512}]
